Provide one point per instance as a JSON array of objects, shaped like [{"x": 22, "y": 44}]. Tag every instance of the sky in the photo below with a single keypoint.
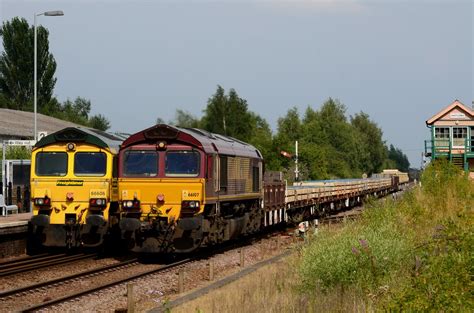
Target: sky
[{"x": 399, "y": 61}]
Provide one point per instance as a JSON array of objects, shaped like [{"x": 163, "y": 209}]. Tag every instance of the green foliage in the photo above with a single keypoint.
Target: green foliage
[
  {"x": 77, "y": 111},
  {"x": 414, "y": 254},
  {"x": 362, "y": 255},
  {"x": 400, "y": 160},
  {"x": 185, "y": 119},
  {"x": 228, "y": 115},
  {"x": 17, "y": 153},
  {"x": 331, "y": 146},
  {"x": 99, "y": 122},
  {"x": 16, "y": 65},
  {"x": 16, "y": 76},
  {"x": 371, "y": 146}
]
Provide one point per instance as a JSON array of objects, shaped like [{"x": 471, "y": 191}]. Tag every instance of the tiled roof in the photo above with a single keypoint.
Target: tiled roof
[
  {"x": 21, "y": 123},
  {"x": 456, "y": 103}
]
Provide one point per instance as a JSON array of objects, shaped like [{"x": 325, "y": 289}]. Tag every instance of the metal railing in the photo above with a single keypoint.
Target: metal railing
[{"x": 437, "y": 148}]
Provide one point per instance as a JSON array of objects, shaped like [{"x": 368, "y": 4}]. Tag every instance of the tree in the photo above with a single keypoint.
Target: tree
[
  {"x": 373, "y": 152},
  {"x": 185, "y": 119},
  {"x": 398, "y": 159},
  {"x": 215, "y": 114},
  {"x": 99, "y": 122},
  {"x": 228, "y": 115},
  {"x": 16, "y": 65}
]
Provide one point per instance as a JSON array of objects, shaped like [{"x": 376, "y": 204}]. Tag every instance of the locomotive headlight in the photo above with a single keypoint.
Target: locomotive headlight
[
  {"x": 190, "y": 204},
  {"x": 129, "y": 204},
  {"x": 71, "y": 146},
  {"x": 98, "y": 202},
  {"x": 42, "y": 201}
]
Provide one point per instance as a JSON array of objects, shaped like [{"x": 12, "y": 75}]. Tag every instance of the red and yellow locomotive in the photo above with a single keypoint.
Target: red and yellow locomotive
[{"x": 182, "y": 188}]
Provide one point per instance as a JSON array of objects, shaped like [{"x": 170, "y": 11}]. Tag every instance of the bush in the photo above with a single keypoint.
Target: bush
[{"x": 413, "y": 254}]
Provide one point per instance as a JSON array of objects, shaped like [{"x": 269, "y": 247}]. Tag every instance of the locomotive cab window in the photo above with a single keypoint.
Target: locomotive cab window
[
  {"x": 90, "y": 164},
  {"x": 140, "y": 163},
  {"x": 182, "y": 163},
  {"x": 51, "y": 164}
]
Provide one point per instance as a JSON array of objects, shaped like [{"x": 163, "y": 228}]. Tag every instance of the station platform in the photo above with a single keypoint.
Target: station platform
[
  {"x": 13, "y": 234},
  {"x": 13, "y": 220}
]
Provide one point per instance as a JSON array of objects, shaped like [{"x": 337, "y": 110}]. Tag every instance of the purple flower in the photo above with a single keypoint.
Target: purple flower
[
  {"x": 363, "y": 243},
  {"x": 355, "y": 251}
]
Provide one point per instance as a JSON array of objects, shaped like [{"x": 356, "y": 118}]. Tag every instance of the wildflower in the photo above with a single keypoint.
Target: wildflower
[
  {"x": 363, "y": 243},
  {"x": 355, "y": 251}
]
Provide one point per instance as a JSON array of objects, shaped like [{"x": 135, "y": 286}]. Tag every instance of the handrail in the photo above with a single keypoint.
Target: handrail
[{"x": 445, "y": 147}]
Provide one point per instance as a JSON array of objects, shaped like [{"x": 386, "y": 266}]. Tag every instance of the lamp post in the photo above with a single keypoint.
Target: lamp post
[{"x": 47, "y": 13}]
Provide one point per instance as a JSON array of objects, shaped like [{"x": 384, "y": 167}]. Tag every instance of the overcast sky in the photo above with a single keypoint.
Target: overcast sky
[{"x": 399, "y": 61}]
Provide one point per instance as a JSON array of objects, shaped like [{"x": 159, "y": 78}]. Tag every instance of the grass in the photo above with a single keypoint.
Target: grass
[
  {"x": 414, "y": 254},
  {"x": 411, "y": 255}
]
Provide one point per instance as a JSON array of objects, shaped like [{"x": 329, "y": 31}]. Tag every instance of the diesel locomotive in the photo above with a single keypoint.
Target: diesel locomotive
[
  {"x": 182, "y": 188},
  {"x": 74, "y": 189}
]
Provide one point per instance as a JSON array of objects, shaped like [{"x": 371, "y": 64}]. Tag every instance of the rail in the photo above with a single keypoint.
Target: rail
[
  {"x": 35, "y": 264},
  {"x": 447, "y": 148}
]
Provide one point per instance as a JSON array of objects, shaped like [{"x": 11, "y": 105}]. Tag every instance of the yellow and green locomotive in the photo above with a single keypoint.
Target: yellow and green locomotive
[
  {"x": 74, "y": 191},
  {"x": 182, "y": 188}
]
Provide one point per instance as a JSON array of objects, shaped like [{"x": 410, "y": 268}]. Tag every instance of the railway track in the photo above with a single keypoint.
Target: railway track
[
  {"x": 107, "y": 285},
  {"x": 99, "y": 271},
  {"x": 9, "y": 294},
  {"x": 23, "y": 259},
  {"x": 34, "y": 263},
  {"x": 54, "y": 282}
]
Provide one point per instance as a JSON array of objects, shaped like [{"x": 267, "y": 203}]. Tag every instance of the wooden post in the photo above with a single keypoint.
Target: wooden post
[
  {"x": 211, "y": 270},
  {"x": 130, "y": 300},
  {"x": 180, "y": 280},
  {"x": 242, "y": 259}
]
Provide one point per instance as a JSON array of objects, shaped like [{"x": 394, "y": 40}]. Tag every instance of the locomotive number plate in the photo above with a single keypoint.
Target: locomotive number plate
[
  {"x": 97, "y": 193},
  {"x": 191, "y": 194}
]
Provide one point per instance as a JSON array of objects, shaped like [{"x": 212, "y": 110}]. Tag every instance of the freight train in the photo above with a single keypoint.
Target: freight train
[
  {"x": 73, "y": 188},
  {"x": 168, "y": 189},
  {"x": 184, "y": 188}
]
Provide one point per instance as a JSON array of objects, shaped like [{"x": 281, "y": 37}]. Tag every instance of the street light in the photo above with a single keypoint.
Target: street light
[{"x": 47, "y": 13}]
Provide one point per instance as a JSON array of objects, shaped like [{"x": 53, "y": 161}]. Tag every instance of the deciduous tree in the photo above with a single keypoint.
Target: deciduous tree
[{"x": 16, "y": 65}]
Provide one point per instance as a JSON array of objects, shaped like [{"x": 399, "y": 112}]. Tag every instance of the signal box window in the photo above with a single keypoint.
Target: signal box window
[
  {"x": 459, "y": 136},
  {"x": 140, "y": 163},
  {"x": 90, "y": 164},
  {"x": 442, "y": 132},
  {"x": 182, "y": 163},
  {"x": 51, "y": 164}
]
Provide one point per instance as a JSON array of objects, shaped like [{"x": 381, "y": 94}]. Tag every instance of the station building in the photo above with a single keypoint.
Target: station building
[
  {"x": 452, "y": 136},
  {"x": 18, "y": 125}
]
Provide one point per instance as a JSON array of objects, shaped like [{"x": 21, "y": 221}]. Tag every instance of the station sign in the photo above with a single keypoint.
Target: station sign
[{"x": 19, "y": 142}]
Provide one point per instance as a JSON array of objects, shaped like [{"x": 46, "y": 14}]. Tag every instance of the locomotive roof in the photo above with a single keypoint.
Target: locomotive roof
[
  {"x": 209, "y": 142},
  {"x": 83, "y": 134}
]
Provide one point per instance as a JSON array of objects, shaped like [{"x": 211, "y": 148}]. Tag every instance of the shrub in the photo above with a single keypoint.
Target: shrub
[{"x": 412, "y": 255}]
